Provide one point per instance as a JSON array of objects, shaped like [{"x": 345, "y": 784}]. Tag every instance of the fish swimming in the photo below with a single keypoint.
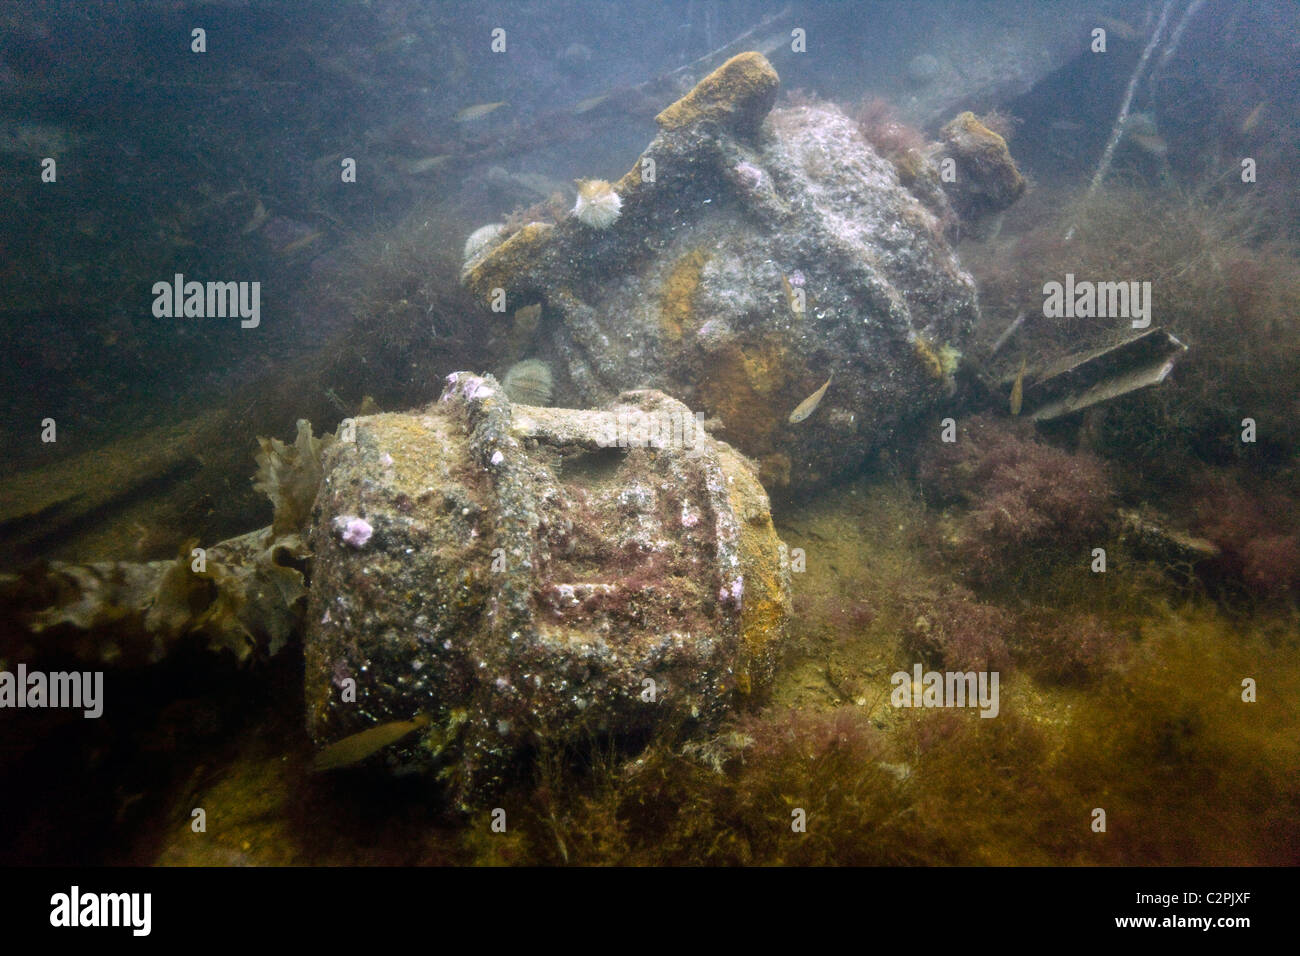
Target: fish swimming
[
  {"x": 357, "y": 747},
  {"x": 260, "y": 216},
  {"x": 1018, "y": 390},
  {"x": 478, "y": 111},
  {"x": 301, "y": 243},
  {"x": 590, "y": 103},
  {"x": 428, "y": 163},
  {"x": 1141, "y": 130},
  {"x": 809, "y": 404},
  {"x": 1152, "y": 143},
  {"x": 792, "y": 300},
  {"x": 1121, "y": 28},
  {"x": 1252, "y": 118}
]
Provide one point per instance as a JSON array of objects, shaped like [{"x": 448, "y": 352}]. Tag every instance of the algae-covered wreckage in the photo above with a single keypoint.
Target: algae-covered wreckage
[
  {"x": 757, "y": 306},
  {"x": 526, "y": 580},
  {"x": 759, "y": 253}
]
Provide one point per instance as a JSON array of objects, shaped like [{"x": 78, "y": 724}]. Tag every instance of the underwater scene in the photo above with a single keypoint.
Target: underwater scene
[{"x": 652, "y": 434}]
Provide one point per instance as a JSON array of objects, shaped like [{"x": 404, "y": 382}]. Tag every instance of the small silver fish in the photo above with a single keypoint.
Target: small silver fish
[
  {"x": 301, "y": 243},
  {"x": 428, "y": 163},
  {"x": 357, "y": 747},
  {"x": 260, "y": 216},
  {"x": 590, "y": 103},
  {"x": 1252, "y": 118},
  {"x": 809, "y": 404},
  {"x": 1152, "y": 143},
  {"x": 1121, "y": 28},
  {"x": 478, "y": 111}
]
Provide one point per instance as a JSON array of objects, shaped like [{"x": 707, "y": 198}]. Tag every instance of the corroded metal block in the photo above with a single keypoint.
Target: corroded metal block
[
  {"x": 757, "y": 254},
  {"x": 523, "y": 574}
]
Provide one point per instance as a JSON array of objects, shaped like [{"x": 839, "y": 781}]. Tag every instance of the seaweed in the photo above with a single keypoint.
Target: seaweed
[
  {"x": 290, "y": 476},
  {"x": 1022, "y": 503}
]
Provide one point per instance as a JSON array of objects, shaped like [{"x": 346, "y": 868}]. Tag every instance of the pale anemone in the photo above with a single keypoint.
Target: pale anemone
[
  {"x": 529, "y": 382},
  {"x": 480, "y": 239},
  {"x": 598, "y": 205}
]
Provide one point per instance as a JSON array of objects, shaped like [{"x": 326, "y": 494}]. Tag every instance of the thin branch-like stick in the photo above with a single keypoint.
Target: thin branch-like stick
[
  {"x": 1007, "y": 333},
  {"x": 731, "y": 44},
  {"x": 1177, "y": 35},
  {"x": 1118, "y": 129}
]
